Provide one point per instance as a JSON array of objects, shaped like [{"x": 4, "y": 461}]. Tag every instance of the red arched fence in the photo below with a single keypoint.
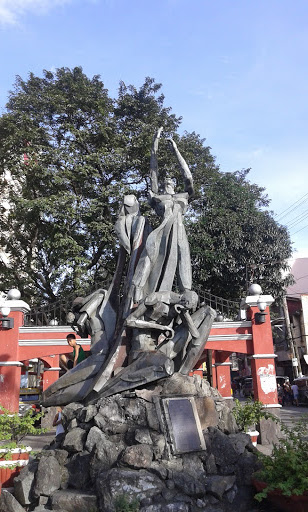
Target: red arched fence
[{"x": 252, "y": 337}]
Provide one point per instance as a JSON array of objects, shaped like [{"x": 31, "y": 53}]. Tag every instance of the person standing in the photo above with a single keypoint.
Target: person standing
[
  {"x": 287, "y": 393},
  {"x": 60, "y": 432},
  {"x": 295, "y": 393}
]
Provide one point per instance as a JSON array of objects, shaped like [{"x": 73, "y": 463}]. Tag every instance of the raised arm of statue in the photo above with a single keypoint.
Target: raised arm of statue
[
  {"x": 188, "y": 179},
  {"x": 153, "y": 162}
]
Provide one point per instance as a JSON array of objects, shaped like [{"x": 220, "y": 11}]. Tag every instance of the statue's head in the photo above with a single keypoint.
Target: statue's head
[
  {"x": 189, "y": 299},
  {"x": 130, "y": 203},
  {"x": 169, "y": 185}
]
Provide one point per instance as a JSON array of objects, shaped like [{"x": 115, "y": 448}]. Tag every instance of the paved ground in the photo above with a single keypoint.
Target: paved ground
[
  {"x": 289, "y": 415},
  {"x": 38, "y": 442}
]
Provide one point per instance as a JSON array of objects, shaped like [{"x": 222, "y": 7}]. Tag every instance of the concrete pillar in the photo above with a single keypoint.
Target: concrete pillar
[
  {"x": 263, "y": 359},
  {"x": 51, "y": 370},
  {"x": 214, "y": 374},
  {"x": 263, "y": 362},
  {"x": 9, "y": 356},
  {"x": 223, "y": 374}
]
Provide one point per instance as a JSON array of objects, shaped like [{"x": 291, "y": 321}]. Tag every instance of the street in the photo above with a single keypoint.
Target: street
[{"x": 290, "y": 414}]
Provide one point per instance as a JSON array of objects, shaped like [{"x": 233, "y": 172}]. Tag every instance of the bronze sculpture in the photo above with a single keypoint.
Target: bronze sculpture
[{"x": 155, "y": 330}]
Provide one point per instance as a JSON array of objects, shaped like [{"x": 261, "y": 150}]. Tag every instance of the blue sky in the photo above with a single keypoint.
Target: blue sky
[{"x": 236, "y": 70}]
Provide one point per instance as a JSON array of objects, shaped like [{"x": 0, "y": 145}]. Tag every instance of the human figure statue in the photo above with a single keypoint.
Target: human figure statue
[
  {"x": 96, "y": 315},
  {"x": 167, "y": 333},
  {"x": 166, "y": 251},
  {"x": 161, "y": 330}
]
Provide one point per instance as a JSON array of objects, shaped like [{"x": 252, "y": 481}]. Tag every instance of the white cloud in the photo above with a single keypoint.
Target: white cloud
[{"x": 12, "y": 10}]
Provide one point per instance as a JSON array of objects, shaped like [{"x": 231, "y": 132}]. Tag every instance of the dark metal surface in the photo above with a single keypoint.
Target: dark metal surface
[{"x": 184, "y": 425}]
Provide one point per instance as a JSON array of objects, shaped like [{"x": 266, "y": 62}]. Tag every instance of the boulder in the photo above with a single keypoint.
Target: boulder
[
  {"x": 143, "y": 436},
  {"x": 72, "y": 424},
  {"x": 240, "y": 442},
  {"x": 8, "y": 503},
  {"x": 210, "y": 465},
  {"x": 48, "y": 476},
  {"x": 74, "y": 440},
  {"x": 70, "y": 410},
  {"x": 221, "y": 447},
  {"x": 106, "y": 451},
  {"x": 189, "y": 485},
  {"x": 178, "y": 384},
  {"x": 24, "y": 483},
  {"x": 137, "y": 456},
  {"x": 111, "y": 411},
  {"x": 191, "y": 479},
  {"x": 135, "y": 411},
  {"x": 78, "y": 468},
  {"x": 86, "y": 414},
  {"x": 60, "y": 455},
  {"x": 151, "y": 417},
  {"x": 217, "y": 485},
  {"x": 247, "y": 464},
  {"x": 133, "y": 483},
  {"x": 74, "y": 501},
  {"x": 226, "y": 422},
  {"x": 159, "y": 445},
  {"x": 207, "y": 412}
]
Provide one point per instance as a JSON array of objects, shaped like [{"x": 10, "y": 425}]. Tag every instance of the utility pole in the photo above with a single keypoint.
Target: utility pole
[{"x": 295, "y": 357}]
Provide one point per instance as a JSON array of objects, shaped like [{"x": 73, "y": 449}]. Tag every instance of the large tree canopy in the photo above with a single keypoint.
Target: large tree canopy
[{"x": 69, "y": 153}]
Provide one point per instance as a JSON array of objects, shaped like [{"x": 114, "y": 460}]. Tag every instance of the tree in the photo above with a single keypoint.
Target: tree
[
  {"x": 70, "y": 152},
  {"x": 234, "y": 241}
]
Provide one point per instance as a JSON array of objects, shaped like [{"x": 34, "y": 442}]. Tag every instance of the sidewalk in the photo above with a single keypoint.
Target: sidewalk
[
  {"x": 37, "y": 443},
  {"x": 266, "y": 449}
]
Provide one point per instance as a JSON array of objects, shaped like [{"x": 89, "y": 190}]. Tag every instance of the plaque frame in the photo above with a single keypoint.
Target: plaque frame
[{"x": 176, "y": 450}]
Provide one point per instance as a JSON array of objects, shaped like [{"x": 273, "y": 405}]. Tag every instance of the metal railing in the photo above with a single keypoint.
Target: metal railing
[
  {"x": 55, "y": 314},
  {"x": 228, "y": 309},
  {"x": 49, "y": 314}
]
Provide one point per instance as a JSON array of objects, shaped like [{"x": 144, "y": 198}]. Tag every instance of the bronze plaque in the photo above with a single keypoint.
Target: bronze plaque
[{"x": 183, "y": 425}]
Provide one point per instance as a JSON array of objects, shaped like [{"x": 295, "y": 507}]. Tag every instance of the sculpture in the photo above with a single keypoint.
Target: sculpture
[
  {"x": 154, "y": 330},
  {"x": 166, "y": 250}
]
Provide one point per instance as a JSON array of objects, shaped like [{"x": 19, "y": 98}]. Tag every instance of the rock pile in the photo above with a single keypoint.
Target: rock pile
[{"x": 116, "y": 449}]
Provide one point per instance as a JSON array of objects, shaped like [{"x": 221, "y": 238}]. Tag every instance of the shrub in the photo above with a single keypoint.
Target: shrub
[
  {"x": 14, "y": 427},
  {"x": 248, "y": 414},
  {"x": 125, "y": 504},
  {"x": 287, "y": 468}
]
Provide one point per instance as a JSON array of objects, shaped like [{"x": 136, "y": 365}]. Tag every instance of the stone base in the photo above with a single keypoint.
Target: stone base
[
  {"x": 121, "y": 446},
  {"x": 269, "y": 429}
]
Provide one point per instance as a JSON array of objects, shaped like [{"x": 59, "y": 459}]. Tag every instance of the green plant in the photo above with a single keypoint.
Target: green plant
[
  {"x": 287, "y": 468},
  {"x": 124, "y": 504},
  {"x": 248, "y": 414},
  {"x": 14, "y": 427}
]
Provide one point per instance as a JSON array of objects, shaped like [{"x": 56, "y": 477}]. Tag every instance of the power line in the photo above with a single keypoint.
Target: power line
[
  {"x": 302, "y": 277},
  {"x": 285, "y": 212},
  {"x": 296, "y": 293},
  {"x": 292, "y": 234},
  {"x": 298, "y": 219}
]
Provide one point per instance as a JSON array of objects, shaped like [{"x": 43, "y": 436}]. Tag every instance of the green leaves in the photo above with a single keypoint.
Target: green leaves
[
  {"x": 233, "y": 241},
  {"x": 248, "y": 414},
  {"x": 69, "y": 153},
  {"x": 287, "y": 468},
  {"x": 13, "y": 427}
]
